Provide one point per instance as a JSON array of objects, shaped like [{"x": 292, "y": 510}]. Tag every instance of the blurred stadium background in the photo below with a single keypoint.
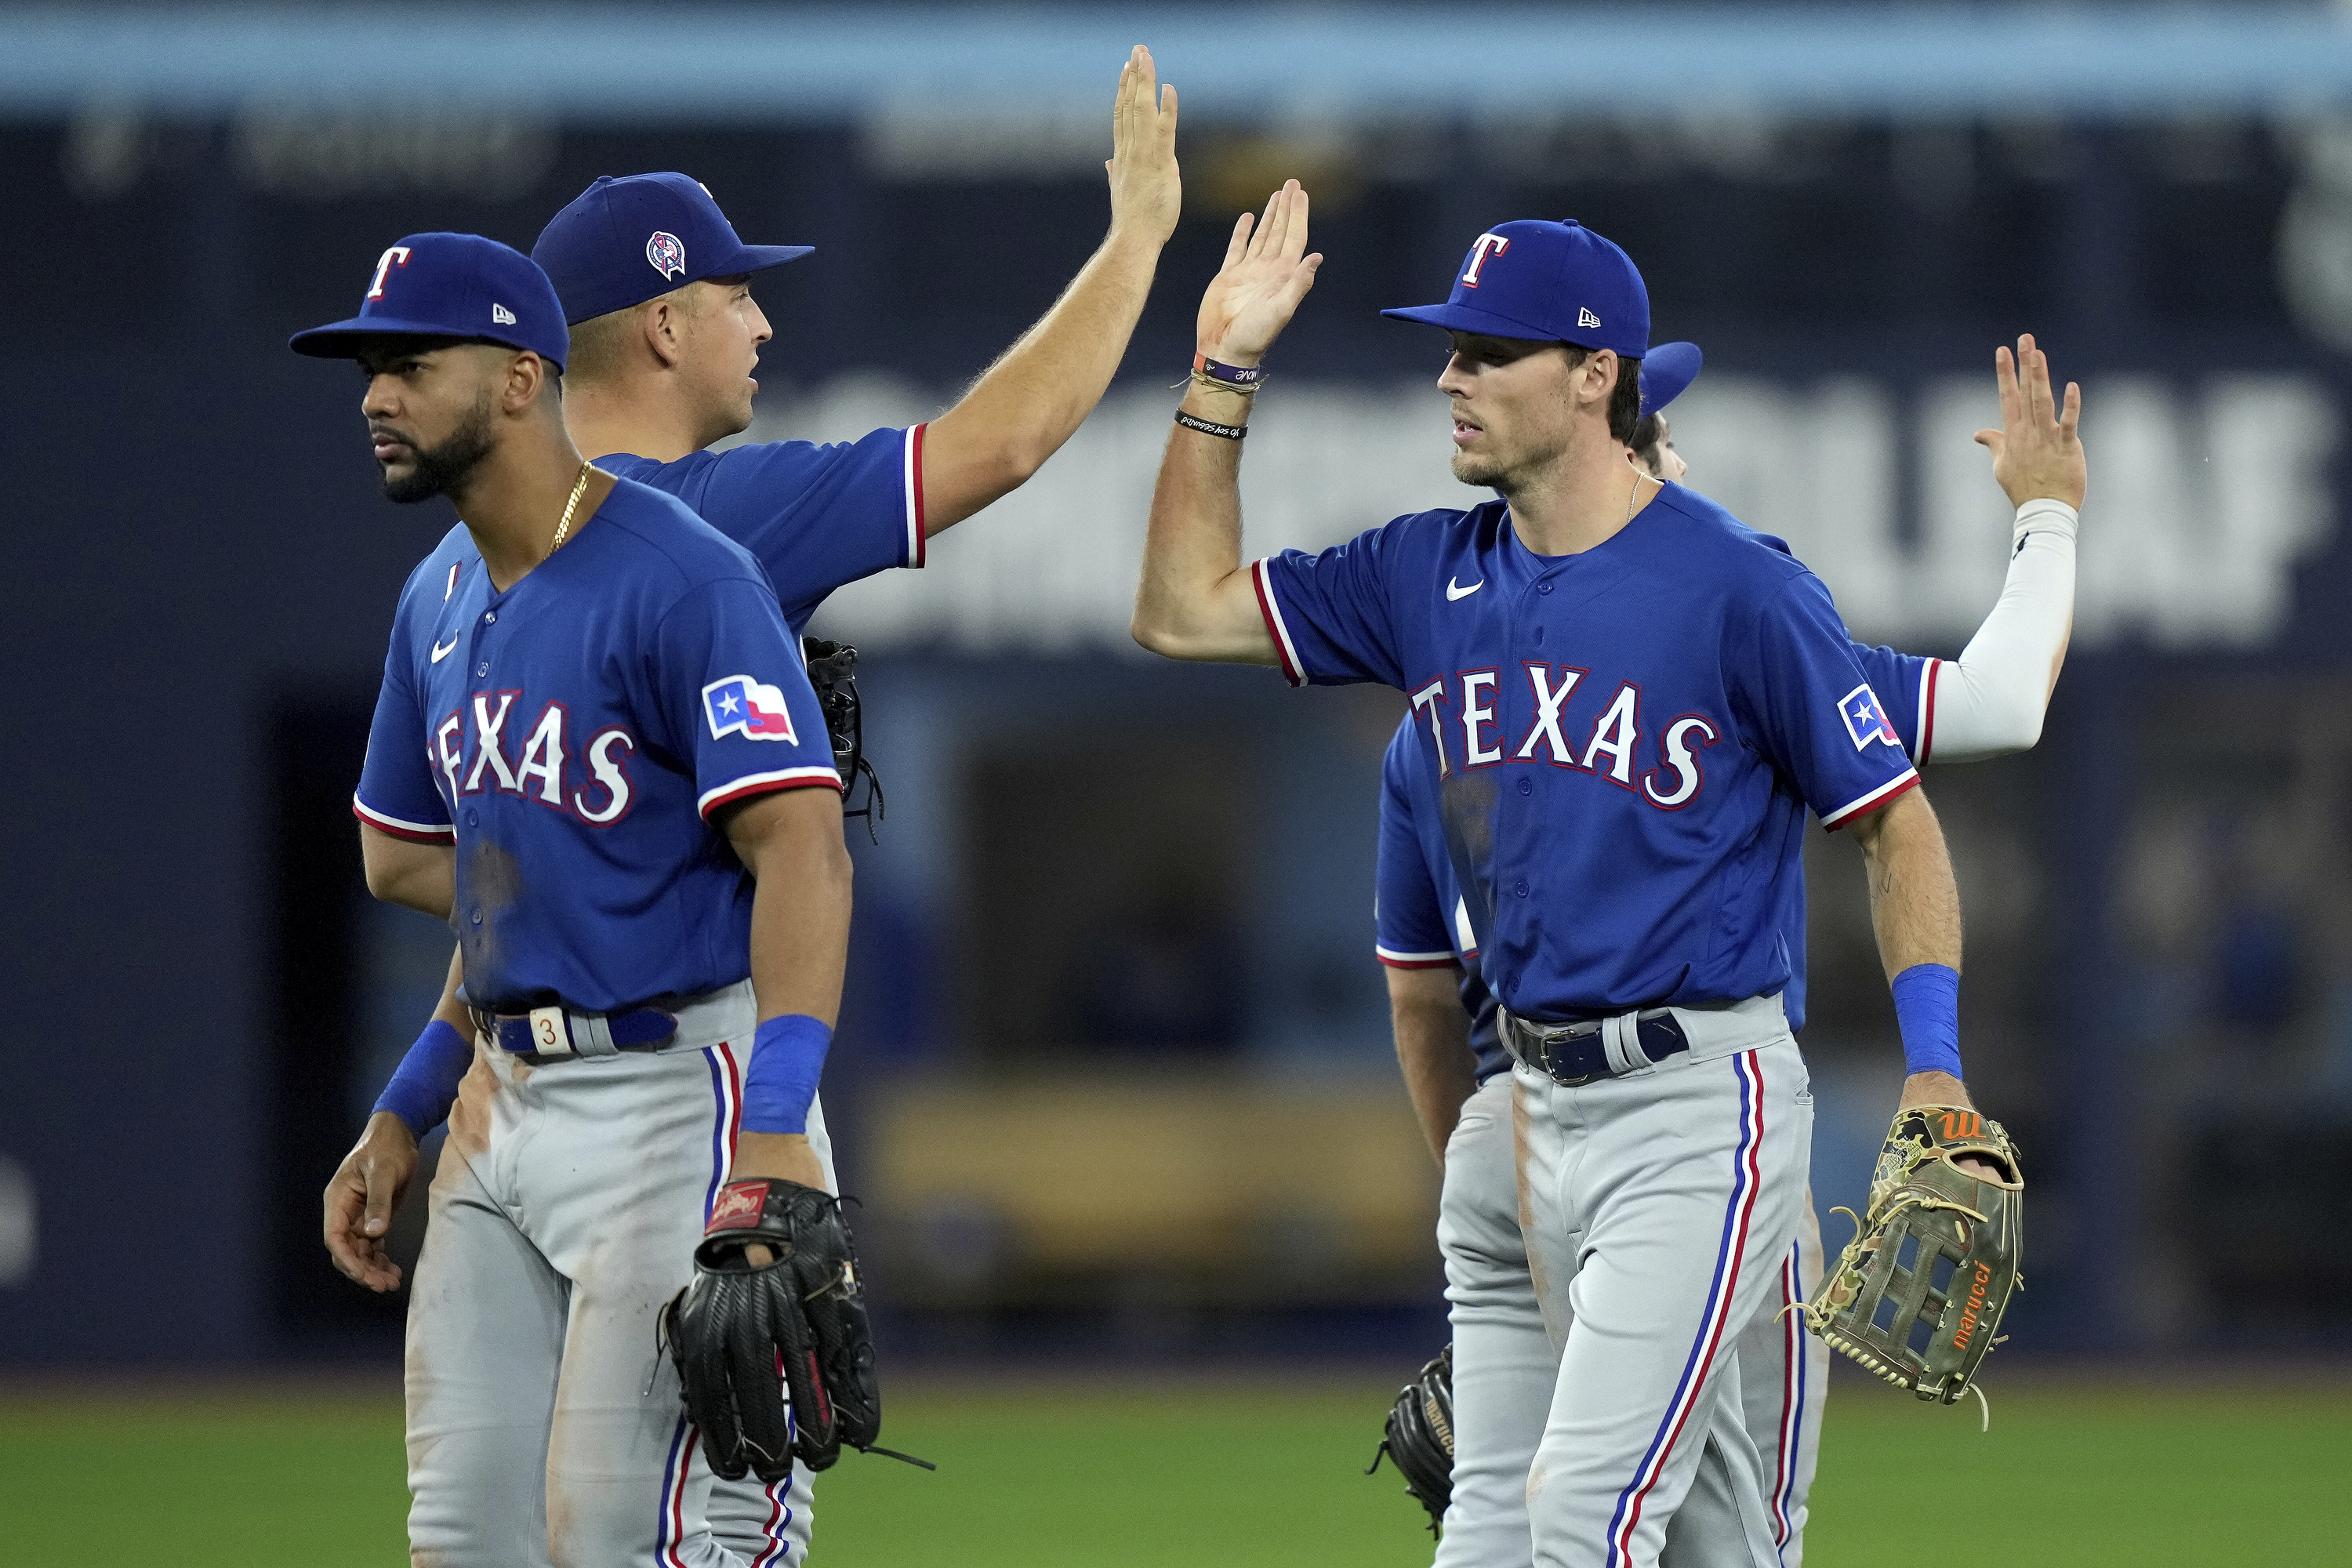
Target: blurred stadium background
[{"x": 1115, "y": 1079}]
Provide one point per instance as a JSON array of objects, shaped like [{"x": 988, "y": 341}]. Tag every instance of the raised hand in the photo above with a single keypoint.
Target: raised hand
[
  {"x": 1265, "y": 277},
  {"x": 1146, "y": 192},
  {"x": 2036, "y": 454}
]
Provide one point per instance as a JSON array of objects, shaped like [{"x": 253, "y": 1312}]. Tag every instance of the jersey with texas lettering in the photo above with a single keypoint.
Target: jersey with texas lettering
[
  {"x": 1423, "y": 923},
  {"x": 1627, "y": 739},
  {"x": 816, "y": 517},
  {"x": 573, "y": 736},
  {"x": 1422, "y": 919}
]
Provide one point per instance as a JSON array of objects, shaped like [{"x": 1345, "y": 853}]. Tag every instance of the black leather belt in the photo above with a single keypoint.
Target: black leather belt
[
  {"x": 1573, "y": 1055},
  {"x": 555, "y": 1034}
]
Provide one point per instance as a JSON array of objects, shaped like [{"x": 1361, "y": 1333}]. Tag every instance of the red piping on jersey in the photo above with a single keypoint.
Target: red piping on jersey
[
  {"x": 1417, "y": 962},
  {"x": 1273, "y": 627},
  {"x": 1927, "y": 712},
  {"x": 1870, "y": 803},
  {"x": 768, "y": 786},
  {"x": 410, "y": 834},
  {"x": 915, "y": 490}
]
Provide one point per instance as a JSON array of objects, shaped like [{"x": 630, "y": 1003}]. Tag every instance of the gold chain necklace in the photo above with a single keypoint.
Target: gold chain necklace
[{"x": 563, "y": 528}]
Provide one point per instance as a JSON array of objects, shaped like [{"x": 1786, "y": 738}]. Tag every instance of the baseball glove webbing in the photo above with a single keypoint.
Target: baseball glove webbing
[{"x": 1918, "y": 1295}]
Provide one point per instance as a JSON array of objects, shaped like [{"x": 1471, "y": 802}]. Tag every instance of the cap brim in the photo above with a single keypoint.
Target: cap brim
[
  {"x": 1667, "y": 370},
  {"x": 340, "y": 339},
  {"x": 1464, "y": 318},
  {"x": 760, "y": 257}
]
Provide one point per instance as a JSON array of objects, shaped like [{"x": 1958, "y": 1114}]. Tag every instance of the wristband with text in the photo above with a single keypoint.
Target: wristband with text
[
  {"x": 1927, "y": 1010},
  {"x": 1211, "y": 427},
  {"x": 1245, "y": 379},
  {"x": 787, "y": 1058},
  {"x": 424, "y": 1085}
]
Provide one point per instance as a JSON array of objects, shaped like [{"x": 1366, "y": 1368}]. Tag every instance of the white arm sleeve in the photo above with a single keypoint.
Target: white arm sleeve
[{"x": 1990, "y": 701}]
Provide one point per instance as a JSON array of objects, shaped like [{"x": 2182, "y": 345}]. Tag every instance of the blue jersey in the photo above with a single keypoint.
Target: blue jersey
[
  {"x": 816, "y": 517},
  {"x": 573, "y": 735},
  {"x": 1627, "y": 739},
  {"x": 1423, "y": 922},
  {"x": 1420, "y": 914}
]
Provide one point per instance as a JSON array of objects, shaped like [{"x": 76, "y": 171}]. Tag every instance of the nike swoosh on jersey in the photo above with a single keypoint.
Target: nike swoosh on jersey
[
  {"x": 1453, "y": 591},
  {"x": 442, "y": 650}
]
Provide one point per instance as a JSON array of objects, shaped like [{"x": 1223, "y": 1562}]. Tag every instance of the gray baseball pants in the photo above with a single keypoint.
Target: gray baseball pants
[
  {"x": 1660, "y": 1209},
  {"x": 544, "y": 1426},
  {"x": 1506, "y": 1365}
]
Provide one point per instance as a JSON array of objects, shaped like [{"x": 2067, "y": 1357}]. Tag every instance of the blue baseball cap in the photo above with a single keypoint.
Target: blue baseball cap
[
  {"x": 1557, "y": 282},
  {"x": 1667, "y": 371},
  {"x": 449, "y": 286},
  {"x": 623, "y": 241}
]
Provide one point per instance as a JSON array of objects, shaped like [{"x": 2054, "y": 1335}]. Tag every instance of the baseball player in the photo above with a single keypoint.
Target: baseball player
[
  {"x": 1633, "y": 701},
  {"x": 655, "y": 287},
  {"x": 597, "y": 755},
  {"x": 1988, "y": 703}
]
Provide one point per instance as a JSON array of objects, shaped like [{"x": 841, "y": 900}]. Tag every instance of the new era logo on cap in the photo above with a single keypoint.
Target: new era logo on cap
[
  {"x": 500, "y": 315},
  {"x": 1586, "y": 318}
]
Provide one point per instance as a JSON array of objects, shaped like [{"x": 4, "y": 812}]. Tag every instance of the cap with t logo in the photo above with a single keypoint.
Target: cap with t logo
[
  {"x": 449, "y": 286},
  {"x": 1560, "y": 282},
  {"x": 622, "y": 241}
]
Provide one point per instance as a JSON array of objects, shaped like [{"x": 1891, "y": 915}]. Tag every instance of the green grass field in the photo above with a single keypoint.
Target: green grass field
[{"x": 1069, "y": 1475}]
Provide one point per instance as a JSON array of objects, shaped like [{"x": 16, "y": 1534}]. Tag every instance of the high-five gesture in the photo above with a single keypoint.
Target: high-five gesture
[
  {"x": 1146, "y": 192},
  {"x": 1265, "y": 275},
  {"x": 2036, "y": 453}
]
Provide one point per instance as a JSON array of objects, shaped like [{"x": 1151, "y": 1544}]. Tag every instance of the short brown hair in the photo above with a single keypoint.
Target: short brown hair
[
  {"x": 1624, "y": 398},
  {"x": 597, "y": 342}
]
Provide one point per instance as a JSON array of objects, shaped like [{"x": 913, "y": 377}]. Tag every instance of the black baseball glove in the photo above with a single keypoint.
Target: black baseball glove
[
  {"x": 832, "y": 671},
  {"x": 743, "y": 1334},
  {"x": 1419, "y": 1438}
]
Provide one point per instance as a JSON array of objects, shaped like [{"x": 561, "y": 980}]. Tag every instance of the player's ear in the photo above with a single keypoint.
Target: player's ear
[
  {"x": 527, "y": 378},
  {"x": 662, "y": 325}
]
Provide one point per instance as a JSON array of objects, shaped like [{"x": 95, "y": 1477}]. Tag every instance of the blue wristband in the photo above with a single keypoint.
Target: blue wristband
[
  {"x": 425, "y": 1084},
  {"x": 1927, "y": 1010},
  {"x": 787, "y": 1058}
]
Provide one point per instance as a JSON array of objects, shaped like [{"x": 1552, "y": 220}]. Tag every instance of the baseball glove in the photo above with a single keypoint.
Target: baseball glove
[
  {"x": 832, "y": 671},
  {"x": 1918, "y": 1294},
  {"x": 743, "y": 1334},
  {"x": 1419, "y": 1438}
]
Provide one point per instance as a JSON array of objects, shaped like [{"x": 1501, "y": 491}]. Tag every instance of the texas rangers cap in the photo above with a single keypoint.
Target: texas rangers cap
[
  {"x": 1557, "y": 282},
  {"x": 450, "y": 286},
  {"x": 622, "y": 241},
  {"x": 1667, "y": 371}
]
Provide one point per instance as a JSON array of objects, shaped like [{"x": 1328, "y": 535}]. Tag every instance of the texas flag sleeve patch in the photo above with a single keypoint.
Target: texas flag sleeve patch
[
  {"x": 741, "y": 705},
  {"x": 1865, "y": 719}
]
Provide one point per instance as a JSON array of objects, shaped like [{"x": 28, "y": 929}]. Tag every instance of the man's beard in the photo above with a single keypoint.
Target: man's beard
[
  {"x": 444, "y": 469},
  {"x": 1482, "y": 471}
]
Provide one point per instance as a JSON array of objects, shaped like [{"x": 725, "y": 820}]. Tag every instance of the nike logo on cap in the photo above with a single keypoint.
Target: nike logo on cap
[
  {"x": 442, "y": 650},
  {"x": 1452, "y": 590}
]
